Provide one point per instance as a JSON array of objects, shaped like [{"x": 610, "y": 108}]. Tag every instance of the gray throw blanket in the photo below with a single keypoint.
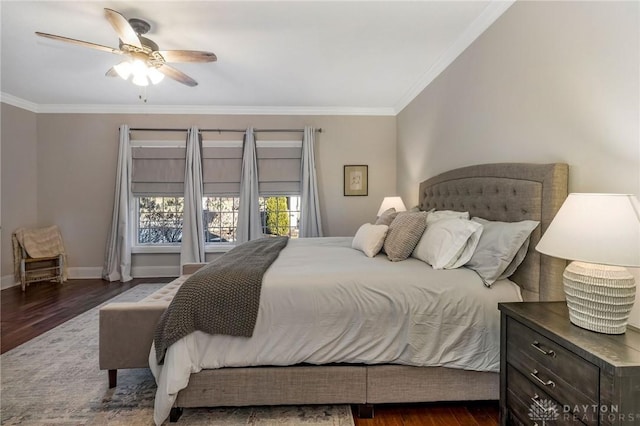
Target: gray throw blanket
[{"x": 221, "y": 298}]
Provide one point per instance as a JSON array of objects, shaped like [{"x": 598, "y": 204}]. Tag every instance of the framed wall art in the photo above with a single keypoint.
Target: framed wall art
[{"x": 356, "y": 180}]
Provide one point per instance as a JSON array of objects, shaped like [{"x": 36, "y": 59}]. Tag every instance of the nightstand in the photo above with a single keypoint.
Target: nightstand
[{"x": 553, "y": 372}]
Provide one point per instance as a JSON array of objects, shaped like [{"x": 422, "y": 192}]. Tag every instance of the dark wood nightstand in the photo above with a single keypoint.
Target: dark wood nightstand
[{"x": 553, "y": 372}]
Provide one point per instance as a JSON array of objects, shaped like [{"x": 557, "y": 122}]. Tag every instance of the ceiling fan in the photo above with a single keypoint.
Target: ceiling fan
[{"x": 145, "y": 62}]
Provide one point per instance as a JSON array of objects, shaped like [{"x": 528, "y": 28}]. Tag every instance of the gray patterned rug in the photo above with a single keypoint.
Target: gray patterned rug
[{"x": 54, "y": 380}]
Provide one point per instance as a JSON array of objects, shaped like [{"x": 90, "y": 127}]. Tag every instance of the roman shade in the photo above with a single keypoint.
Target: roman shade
[
  {"x": 221, "y": 167},
  {"x": 279, "y": 167},
  {"x": 158, "y": 168}
]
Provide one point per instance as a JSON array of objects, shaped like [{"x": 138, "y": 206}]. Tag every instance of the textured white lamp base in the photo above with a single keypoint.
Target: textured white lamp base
[{"x": 599, "y": 297}]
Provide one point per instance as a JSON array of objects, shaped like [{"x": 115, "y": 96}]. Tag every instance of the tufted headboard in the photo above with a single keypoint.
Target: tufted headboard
[{"x": 509, "y": 192}]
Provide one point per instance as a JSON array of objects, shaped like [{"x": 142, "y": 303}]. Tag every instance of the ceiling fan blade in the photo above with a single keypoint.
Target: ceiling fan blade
[
  {"x": 122, "y": 27},
  {"x": 80, "y": 43},
  {"x": 177, "y": 75},
  {"x": 187, "y": 56}
]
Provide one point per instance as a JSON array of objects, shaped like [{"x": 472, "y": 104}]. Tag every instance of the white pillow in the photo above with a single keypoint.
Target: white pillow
[
  {"x": 499, "y": 244},
  {"x": 370, "y": 238},
  {"x": 517, "y": 260},
  {"x": 448, "y": 243},
  {"x": 445, "y": 214}
]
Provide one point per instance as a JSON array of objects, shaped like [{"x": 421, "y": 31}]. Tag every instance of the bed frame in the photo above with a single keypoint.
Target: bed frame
[{"x": 506, "y": 192}]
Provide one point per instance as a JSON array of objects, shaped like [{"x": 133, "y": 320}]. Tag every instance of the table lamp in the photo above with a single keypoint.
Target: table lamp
[
  {"x": 600, "y": 234},
  {"x": 391, "y": 202}
]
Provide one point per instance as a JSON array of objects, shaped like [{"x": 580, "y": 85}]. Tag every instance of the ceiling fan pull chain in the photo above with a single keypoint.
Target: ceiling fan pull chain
[{"x": 143, "y": 94}]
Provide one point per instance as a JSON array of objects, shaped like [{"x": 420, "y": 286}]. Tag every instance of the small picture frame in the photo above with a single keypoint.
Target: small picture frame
[{"x": 356, "y": 180}]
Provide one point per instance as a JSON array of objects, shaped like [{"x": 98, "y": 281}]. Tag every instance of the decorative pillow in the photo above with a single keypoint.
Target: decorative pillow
[
  {"x": 403, "y": 235},
  {"x": 445, "y": 214},
  {"x": 387, "y": 217},
  {"x": 369, "y": 239},
  {"x": 448, "y": 243},
  {"x": 499, "y": 244}
]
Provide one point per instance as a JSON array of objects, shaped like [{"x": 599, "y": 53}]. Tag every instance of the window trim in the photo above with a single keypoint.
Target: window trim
[{"x": 174, "y": 249}]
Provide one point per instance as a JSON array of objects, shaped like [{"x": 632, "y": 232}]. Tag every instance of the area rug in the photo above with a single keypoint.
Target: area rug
[{"x": 54, "y": 379}]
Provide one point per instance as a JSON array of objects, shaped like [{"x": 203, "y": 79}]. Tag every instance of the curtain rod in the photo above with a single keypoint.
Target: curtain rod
[{"x": 139, "y": 129}]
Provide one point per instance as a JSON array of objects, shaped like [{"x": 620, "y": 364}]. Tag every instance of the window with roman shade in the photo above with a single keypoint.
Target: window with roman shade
[
  {"x": 149, "y": 195},
  {"x": 157, "y": 187}
]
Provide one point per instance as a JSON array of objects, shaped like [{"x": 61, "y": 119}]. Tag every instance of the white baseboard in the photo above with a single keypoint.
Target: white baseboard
[
  {"x": 155, "y": 271},
  {"x": 136, "y": 272},
  {"x": 95, "y": 272},
  {"x": 84, "y": 273},
  {"x": 8, "y": 281}
]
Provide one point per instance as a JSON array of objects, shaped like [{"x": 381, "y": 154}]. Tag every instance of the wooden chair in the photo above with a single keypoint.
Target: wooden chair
[
  {"x": 33, "y": 269},
  {"x": 39, "y": 255}
]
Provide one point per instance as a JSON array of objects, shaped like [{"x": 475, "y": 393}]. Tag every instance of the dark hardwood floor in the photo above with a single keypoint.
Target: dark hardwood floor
[
  {"x": 433, "y": 414},
  {"x": 46, "y": 305}
]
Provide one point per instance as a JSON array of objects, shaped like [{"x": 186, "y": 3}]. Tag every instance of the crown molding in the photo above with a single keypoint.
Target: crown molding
[
  {"x": 488, "y": 16},
  {"x": 18, "y": 102},
  {"x": 190, "y": 109}
]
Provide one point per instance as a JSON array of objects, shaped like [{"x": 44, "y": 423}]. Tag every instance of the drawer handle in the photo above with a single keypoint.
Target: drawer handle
[
  {"x": 549, "y": 352},
  {"x": 536, "y": 400},
  {"x": 535, "y": 373}
]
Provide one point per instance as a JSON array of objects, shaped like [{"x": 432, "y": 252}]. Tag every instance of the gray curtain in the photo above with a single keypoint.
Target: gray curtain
[
  {"x": 117, "y": 262},
  {"x": 192, "y": 247},
  {"x": 310, "y": 220},
  {"x": 249, "y": 223}
]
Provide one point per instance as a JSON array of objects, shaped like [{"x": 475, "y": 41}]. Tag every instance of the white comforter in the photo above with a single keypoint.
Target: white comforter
[{"x": 323, "y": 302}]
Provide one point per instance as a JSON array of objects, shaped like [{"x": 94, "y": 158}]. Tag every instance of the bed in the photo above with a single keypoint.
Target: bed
[{"x": 246, "y": 374}]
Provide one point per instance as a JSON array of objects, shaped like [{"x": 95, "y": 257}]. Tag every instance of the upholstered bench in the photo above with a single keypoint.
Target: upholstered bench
[{"x": 127, "y": 328}]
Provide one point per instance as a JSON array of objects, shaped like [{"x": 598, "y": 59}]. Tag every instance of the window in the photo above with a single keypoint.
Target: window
[
  {"x": 159, "y": 220},
  {"x": 220, "y": 217},
  {"x": 280, "y": 215}
]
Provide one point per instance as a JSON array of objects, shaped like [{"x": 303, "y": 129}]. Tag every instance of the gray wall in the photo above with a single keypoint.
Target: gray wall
[
  {"x": 19, "y": 178},
  {"x": 547, "y": 82},
  {"x": 73, "y": 173}
]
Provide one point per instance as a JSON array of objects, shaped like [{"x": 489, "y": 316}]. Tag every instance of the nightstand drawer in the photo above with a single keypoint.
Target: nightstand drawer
[
  {"x": 529, "y": 404},
  {"x": 564, "y": 375},
  {"x": 592, "y": 372}
]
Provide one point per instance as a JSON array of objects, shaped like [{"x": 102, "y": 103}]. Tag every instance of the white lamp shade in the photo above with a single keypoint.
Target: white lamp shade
[
  {"x": 595, "y": 228},
  {"x": 391, "y": 202},
  {"x": 139, "y": 71},
  {"x": 154, "y": 75},
  {"x": 140, "y": 80},
  {"x": 123, "y": 69}
]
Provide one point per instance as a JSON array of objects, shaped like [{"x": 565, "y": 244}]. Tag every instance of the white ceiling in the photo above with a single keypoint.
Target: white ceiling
[{"x": 342, "y": 57}]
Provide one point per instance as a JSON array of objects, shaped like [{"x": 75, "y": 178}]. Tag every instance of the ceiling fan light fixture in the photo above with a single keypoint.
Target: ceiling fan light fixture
[
  {"x": 138, "y": 67},
  {"x": 123, "y": 69},
  {"x": 154, "y": 75},
  {"x": 140, "y": 80},
  {"x": 139, "y": 70}
]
